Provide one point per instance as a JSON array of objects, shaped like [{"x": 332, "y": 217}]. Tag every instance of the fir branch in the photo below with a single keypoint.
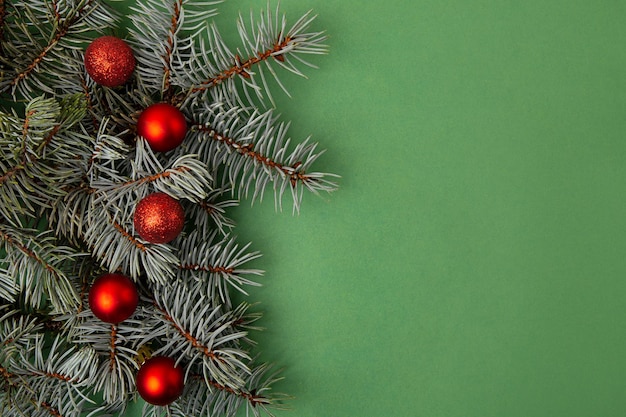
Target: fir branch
[
  {"x": 207, "y": 397},
  {"x": 113, "y": 354},
  {"x": 243, "y": 68},
  {"x": 169, "y": 50},
  {"x": 55, "y": 11},
  {"x": 160, "y": 33},
  {"x": 210, "y": 214},
  {"x": 53, "y": 411},
  {"x": 67, "y": 161},
  {"x": 69, "y": 214},
  {"x": 129, "y": 254},
  {"x": 115, "y": 346},
  {"x": 251, "y": 397},
  {"x": 17, "y": 331},
  {"x": 39, "y": 154},
  {"x": 159, "y": 176},
  {"x": 39, "y": 265},
  {"x": 255, "y": 152},
  {"x": 211, "y": 354},
  {"x": 52, "y": 373},
  {"x": 29, "y": 253},
  {"x": 8, "y": 286},
  {"x": 63, "y": 364},
  {"x": 107, "y": 155},
  {"x": 20, "y": 137},
  {"x": 10, "y": 173},
  {"x": 203, "y": 333},
  {"x": 186, "y": 177},
  {"x": 61, "y": 30},
  {"x": 228, "y": 73},
  {"x": 48, "y": 35},
  {"x": 129, "y": 237},
  {"x": 214, "y": 263},
  {"x": 208, "y": 268}
]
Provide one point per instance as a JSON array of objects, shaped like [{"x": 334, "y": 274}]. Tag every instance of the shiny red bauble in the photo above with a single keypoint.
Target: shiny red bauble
[
  {"x": 163, "y": 126},
  {"x": 109, "y": 61},
  {"x": 159, "y": 218},
  {"x": 113, "y": 298},
  {"x": 159, "y": 381}
]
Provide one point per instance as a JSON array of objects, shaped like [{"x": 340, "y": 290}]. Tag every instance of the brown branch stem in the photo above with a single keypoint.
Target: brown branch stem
[
  {"x": 22, "y": 164},
  {"x": 247, "y": 150},
  {"x": 9, "y": 377},
  {"x": 112, "y": 354},
  {"x": 169, "y": 48},
  {"x": 130, "y": 237},
  {"x": 242, "y": 67},
  {"x": 30, "y": 253},
  {"x": 53, "y": 411},
  {"x": 249, "y": 396},
  {"x": 6, "y": 374},
  {"x": 207, "y": 268},
  {"x": 60, "y": 377},
  {"x": 155, "y": 177},
  {"x": 190, "y": 338},
  {"x": 62, "y": 30},
  {"x": 90, "y": 106},
  {"x": 24, "y": 156}
]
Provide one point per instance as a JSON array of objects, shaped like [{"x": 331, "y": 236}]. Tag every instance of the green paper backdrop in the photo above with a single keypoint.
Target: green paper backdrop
[{"x": 472, "y": 263}]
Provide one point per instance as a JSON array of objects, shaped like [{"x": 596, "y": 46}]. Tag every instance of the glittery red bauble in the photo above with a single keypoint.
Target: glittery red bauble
[
  {"x": 109, "y": 61},
  {"x": 159, "y": 382},
  {"x": 159, "y": 218},
  {"x": 163, "y": 126},
  {"x": 113, "y": 298}
]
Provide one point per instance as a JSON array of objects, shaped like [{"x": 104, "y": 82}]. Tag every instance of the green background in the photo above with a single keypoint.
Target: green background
[{"x": 473, "y": 261}]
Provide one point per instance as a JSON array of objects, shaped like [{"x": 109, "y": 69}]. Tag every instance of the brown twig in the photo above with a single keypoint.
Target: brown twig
[
  {"x": 241, "y": 68},
  {"x": 22, "y": 164},
  {"x": 130, "y": 237},
  {"x": 30, "y": 253},
  {"x": 156, "y": 177},
  {"x": 112, "y": 354},
  {"x": 190, "y": 338},
  {"x": 247, "y": 149},
  {"x": 62, "y": 30},
  {"x": 6, "y": 374},
  {"x": 169, "y": 49},
  {"x": 90, "y": 107},
  {"x": 207, "y": 268},
  {"x": 24, "y": 156},
  {"x": 249, "y": 396},
  {"x": 60, "y": 377},
  {"x": 53, "y": 411}
]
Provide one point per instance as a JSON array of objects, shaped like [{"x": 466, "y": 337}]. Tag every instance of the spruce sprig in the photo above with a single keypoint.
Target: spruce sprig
[{"x": 72, "y": 170}]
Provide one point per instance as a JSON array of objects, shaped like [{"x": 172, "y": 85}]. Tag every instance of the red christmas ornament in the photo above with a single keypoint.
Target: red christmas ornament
[
  {"x": 109, "y": 61},
  {"x": 159, "y": 218},
  {"x": 159, "y": 381},
  {"x": 163, "y": 126},
  {"x": 113, "y": 298}
]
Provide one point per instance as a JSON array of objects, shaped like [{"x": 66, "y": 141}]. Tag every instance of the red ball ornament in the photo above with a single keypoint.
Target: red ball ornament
[
  {"x": 163, "y": 126},
  {"x": 159, "y": 218},
  {"x": 109, "y": 61},
  {"x": 159, "y": 381},
  {"x": 113, "y": 298}
]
